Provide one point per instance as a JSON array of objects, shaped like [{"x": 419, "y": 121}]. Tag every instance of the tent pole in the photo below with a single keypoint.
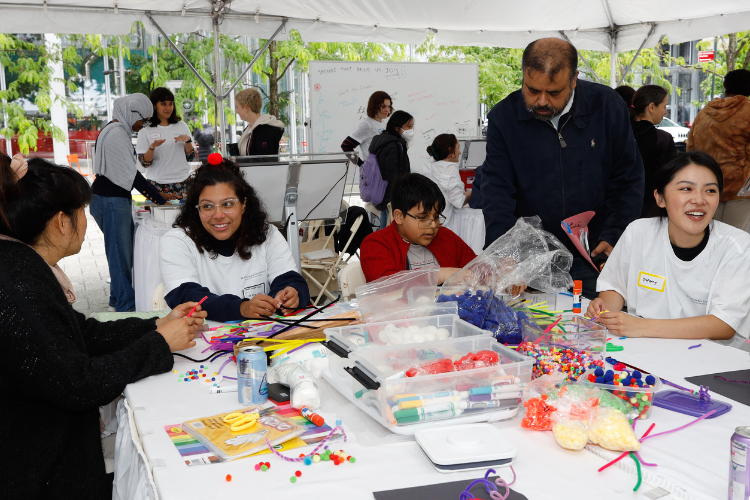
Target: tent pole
[
  {"x": 613, "y": 62},
  {"x": 123, "y": 89},
  {"x": 630, "y": 66},
  {"x": 585, "y": 62},
  {"x": 218, "y": 96},
  {"x": 105, "y": 61},
  {"x": 179, "y": 53},
  {"x": 255, "y": 58}
]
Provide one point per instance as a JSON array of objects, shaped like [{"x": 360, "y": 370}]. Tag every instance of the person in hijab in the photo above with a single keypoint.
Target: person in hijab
[{"x": 116, "y": 176}]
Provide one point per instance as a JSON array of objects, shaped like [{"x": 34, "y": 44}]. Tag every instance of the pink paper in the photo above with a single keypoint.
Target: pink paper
[{"x": 576, "y": 225}]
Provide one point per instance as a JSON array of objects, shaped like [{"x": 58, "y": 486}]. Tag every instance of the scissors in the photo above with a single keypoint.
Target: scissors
[{"x": 241, "y": 421}]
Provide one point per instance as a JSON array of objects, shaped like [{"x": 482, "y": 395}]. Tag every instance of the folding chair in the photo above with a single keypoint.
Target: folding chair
[
  {"x": 73, "y": 162},
  {"x": 316, "y": 271},
  {"x": 351, "y": 278}
]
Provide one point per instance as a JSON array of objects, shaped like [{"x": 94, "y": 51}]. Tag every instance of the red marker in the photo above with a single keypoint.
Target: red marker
[
  {"x": 312, "y": 417},
  {"x": 196, "y": 305}
]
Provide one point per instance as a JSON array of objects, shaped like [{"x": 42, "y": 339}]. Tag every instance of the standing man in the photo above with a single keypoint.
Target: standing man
[
  {"x": 559, "y": 147},
  {"x": 722, "y": 129}
]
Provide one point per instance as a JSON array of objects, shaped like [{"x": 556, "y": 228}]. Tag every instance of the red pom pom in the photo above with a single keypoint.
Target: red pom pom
[{"x": 215, "y": 159}]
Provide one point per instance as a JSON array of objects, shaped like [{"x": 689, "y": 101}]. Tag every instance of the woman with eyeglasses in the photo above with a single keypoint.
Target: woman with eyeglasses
[
  {"x": 379, "y": 108},
  {"x": 116, "y": 176},
  {"x": 224, "y": 248}
]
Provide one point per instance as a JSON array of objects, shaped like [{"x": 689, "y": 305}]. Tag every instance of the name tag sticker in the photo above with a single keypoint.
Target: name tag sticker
[
  {"x": 154, "y": 136},
  {"x": 651, "y": 281}
]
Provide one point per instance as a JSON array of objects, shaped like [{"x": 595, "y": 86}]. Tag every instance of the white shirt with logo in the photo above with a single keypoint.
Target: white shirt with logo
[
  {"x": 418, "y": 257},
  {"x": 169, "y": 164},
  {"x": 366, "y": 130},
  {"x": 655, "y": 284},
  {"x": 181, "y": 262}
]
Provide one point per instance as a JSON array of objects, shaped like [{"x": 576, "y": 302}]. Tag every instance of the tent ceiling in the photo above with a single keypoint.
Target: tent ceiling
[{"x": 505, "y": 23}]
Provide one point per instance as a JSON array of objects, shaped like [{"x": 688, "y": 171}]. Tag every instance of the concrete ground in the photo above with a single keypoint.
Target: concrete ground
[{"x": 88, "y": 271}]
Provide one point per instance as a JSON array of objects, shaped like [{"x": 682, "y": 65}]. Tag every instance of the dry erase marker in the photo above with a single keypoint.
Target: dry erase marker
[
  {"x": 430, "y": 416},
  {"x": 413, "y": 397},
  {"x": 496, "y": 396},
  {"x": 195, "y": 306},
  {"x": 494, "y": 389},
  {"x": 223, "y": 388}
]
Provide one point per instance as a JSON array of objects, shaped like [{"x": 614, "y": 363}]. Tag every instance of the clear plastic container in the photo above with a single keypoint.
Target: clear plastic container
[
  {"x": 641, "y": 398},
  {"x": 347, "y": 339},
  {"x": 392, "y": 292},
  {"x": 412, "y": 311},
  {"x": 574, "y": 332},
  {"x": 374, "y": 379}
]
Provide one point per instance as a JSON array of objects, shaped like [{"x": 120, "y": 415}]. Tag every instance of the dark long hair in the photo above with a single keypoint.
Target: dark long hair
[
  {"x": 161, "y": 94},
  {"x": 645, "y": 96},
  {"x": 442, "y": 146},
  {"x": 397, "y": 120},
  {"x": 254, "y": 223},
  {"x": 28, "y": 204},
  {"x": 668, "y": 172}
]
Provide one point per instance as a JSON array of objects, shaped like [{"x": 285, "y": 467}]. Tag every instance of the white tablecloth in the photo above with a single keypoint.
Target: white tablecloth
[
  {"x": 146, "y": 273},
  {"x": 691, "y": 464},
  {"x": 468, "y": 223}
]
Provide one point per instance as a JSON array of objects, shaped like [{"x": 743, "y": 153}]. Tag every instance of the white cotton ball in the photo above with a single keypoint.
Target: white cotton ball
[
  {"x": 429, "y": 337},
  {"x": 429, "y": 330},
  {"x": 415, "y": 329},
  {"x": 407, "y": 337},
  {"x": 423, "y": 300},
  {"x": 443, "y": 334},
  {"x": 419, "y": 337}
]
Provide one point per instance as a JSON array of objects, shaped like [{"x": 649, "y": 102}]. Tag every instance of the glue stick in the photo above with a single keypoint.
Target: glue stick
[{"x": 577, "y": 289}]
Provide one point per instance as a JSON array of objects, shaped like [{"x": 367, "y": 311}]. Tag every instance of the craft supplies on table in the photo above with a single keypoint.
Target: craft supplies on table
[
  {"x": 216, "y": 434},
  {"x": 346, "y": 339},
  {"x": 466, "y": 447},
  {"x": 570, "y": 361},
  {"x": 376, "y": 381},
  {"x": 739, "y": 466},
  {"x": 392, "y": 293},
  {"x": 639, "y": 389},
  {"x": 251, "y": 375}
]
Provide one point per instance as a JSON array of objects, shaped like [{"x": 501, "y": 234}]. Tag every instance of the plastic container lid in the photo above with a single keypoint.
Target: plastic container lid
[
  {"x": 464, "y": 447},
  {"x": 689, "y": 404}
]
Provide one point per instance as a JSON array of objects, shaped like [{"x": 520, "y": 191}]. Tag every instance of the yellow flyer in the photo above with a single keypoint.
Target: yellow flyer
[{"x": 217, "y": 436}]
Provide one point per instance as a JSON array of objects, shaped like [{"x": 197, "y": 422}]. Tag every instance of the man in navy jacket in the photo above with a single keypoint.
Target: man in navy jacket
[{"x": 558, "y": 147}]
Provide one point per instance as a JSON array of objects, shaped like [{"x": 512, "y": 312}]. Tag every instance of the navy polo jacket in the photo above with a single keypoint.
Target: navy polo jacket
[{"x": 592, "y": 164}]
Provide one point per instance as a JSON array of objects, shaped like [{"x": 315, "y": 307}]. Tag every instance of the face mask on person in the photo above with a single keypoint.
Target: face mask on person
[{"x": 408, "y": 135}]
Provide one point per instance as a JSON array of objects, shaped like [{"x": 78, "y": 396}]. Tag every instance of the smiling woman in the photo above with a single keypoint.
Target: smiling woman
[
  {"x": 681, "y": 275},
  {"x": 224, "y": 248}
]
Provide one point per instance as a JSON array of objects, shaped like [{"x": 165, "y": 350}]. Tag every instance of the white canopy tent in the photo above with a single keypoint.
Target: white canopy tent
[{"x": 606, "y": 25}]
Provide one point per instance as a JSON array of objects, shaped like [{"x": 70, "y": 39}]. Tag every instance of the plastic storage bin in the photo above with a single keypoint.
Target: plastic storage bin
[
  {"x": 641, "y": 398},
  {"x": 347, "y": 339},
  {"x": 371, "y": 378},
  {"x": 579, "y": 333}
]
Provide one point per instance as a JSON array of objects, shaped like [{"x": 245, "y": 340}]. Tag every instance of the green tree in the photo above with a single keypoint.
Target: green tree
[
  {"x": 733, "y": 52},
  {"x": 25, "y": 59}
]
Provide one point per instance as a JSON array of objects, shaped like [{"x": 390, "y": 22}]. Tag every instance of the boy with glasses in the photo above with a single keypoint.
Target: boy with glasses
[{"x": 415, "y": 239}]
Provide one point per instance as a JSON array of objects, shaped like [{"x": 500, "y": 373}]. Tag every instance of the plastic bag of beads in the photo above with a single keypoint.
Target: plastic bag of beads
[
  {"x": 571, "y": 435},
  {"x": 611, "y": 430}
]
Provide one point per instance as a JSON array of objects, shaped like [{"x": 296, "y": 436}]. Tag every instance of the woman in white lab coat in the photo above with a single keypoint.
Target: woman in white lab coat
[{"x": 442, "y": 167}]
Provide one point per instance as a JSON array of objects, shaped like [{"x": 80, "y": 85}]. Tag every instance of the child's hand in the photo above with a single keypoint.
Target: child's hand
[
  {"x": 596, "y": 307},
  {"x": 623, "y": 324}
]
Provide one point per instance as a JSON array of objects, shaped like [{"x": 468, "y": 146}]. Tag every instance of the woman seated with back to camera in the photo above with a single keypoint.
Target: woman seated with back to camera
[
  {"x": 224, "y": 248},
  {"x": 60, "y": 366},
  {"x": 682, "y": 275}
]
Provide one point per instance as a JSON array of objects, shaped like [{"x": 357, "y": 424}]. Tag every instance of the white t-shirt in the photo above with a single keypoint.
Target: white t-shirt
[
  {"x": 445, "y": 175},
  {"x": 181, "y": 262},
  {"x": 419, "y": 257},
  {"x": 657, "y": 285},
  {"x": 366, "y": 130},
  {"x": 169, "y": 163}
]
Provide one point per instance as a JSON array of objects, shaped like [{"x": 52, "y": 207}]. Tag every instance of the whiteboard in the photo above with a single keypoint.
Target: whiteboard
[
  {"x": 269, "y": 182},
  {"x": 442, "y": 98}
]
